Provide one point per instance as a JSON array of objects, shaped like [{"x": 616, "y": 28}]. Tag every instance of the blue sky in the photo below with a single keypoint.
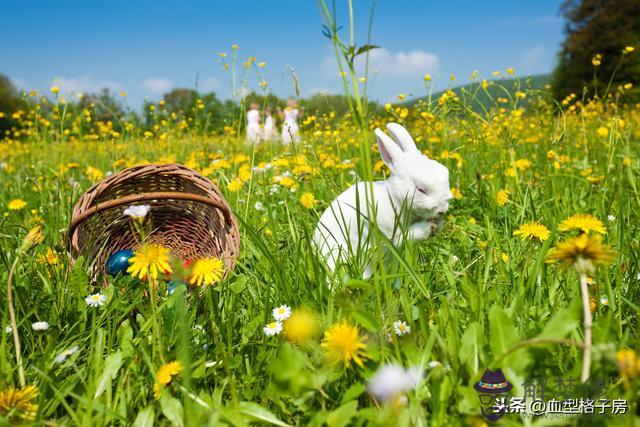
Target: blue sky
[{"x": 147, "y": 47}]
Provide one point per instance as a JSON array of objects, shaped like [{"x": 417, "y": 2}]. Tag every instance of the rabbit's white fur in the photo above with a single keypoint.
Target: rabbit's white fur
[{"x": 417, "y": 193}]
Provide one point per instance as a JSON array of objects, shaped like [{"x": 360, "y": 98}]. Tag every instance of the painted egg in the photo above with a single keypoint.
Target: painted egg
[
  {"x": 118, "y": 262},
  {"x": 172, "y": 285}
]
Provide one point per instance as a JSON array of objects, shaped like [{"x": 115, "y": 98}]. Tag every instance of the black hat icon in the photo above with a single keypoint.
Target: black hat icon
[{"x": 493, "y": 382}]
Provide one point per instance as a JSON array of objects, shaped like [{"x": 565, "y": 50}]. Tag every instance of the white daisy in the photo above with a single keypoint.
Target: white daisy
[
  {"x": 63, "y": 356},
  {"x": 401, "y": 328},
  {"x": 40, "y": 326},
  {"x": 8, "y": 329},
  {"x": 282, "y": 313},
  {"x": 604, "y": 301},
  {"x": 137, "y": 211},
  {"x": 273, "y": 328},
  {"x": 391, "y": 381},
  {"x": 258, "y": 206},
  {"x": 95, "y": 300},
  {"x": 434, "y": 364},
  {"x": 611, "y": 217}
]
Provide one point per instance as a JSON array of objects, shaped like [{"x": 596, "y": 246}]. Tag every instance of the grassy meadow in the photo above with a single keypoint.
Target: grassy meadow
[{"x": 478, "y": 295}]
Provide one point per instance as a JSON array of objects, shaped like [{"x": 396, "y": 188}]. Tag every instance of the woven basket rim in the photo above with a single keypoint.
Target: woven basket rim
[{"x": 146, "y": 196}]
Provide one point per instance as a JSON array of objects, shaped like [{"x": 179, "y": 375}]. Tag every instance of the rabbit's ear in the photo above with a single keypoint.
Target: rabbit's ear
[
  {"x": 402, "y": 137},
  {"x": 389, "y": 151}
]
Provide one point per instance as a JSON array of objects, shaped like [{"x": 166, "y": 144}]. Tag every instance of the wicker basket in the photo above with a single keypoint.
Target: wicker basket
[{"x": 188, "y": 215}]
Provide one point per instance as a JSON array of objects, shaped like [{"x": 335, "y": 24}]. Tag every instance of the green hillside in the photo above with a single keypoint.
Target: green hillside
[{"x": 477, "y": 97}]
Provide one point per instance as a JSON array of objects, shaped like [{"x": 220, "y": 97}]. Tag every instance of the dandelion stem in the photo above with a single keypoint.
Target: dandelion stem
[
  {"x": 586, "y": 354},
  {"x": 157, "y": 332},
  {"x": 14, "y": 324}
]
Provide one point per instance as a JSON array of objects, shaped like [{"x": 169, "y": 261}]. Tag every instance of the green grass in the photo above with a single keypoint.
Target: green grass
[{"x": 469, "y": 307}]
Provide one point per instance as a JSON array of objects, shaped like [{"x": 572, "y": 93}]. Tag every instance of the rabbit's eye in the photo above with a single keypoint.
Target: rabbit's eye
[{"x": 424, "y": 191}]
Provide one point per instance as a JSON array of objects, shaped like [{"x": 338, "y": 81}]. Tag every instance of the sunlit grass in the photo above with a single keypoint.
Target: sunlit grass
[{"x": 470, "y": 296}]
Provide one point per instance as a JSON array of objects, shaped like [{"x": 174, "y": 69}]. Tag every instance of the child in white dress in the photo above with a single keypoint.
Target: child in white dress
[
  {"x": 290, "y": 131},
  {"x": 253, "y": 124},
  {"x": 269, "y": 126}
]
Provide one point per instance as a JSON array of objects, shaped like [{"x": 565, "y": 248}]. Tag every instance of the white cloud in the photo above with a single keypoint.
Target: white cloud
[
  {"x": 156, "y": 85},
  {"x": 209, "y": 84},
  {"x": 403, "y": 64},
  {"x": 83, "y": 84},
  {"x": 531, "y": 58},
  {"x": 385, "y": 63}
]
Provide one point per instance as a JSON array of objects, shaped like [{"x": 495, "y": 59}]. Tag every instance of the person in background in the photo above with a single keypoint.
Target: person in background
[
  {"x": 270, "y": 130},
  {"x": 254, "y": 133},
  {"x": 290, "y": 131}
]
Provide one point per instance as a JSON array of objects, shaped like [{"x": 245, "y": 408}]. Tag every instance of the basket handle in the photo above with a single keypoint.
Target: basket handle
[{"x": 126, "y": 200}]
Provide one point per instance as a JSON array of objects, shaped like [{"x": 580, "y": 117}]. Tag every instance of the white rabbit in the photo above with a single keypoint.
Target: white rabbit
[{"x": 415, "y": 196}]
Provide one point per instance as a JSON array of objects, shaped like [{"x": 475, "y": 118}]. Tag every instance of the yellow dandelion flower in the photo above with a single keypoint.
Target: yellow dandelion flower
[
  {"x": 583, "y": 253},
  {"x": 17, "y": 405},
  {"x": 235, "y": 185},
  {"x": 628, "y": 363},
  {"x": 456, "y": 193},
  {"x": 427, "y": 77},
  {"x": 307, "y": 200},
  {"x": 207, "y": 271},
  {"x": 16, "y": 204},
  {"x": 502, "y": 197},
  {"x": 165, "y": 375},
  {"x": 533, "y": 230},
  {"x": 301, "y": 326},
  {"x": 602, "y": 132},
  {"x": 596, "y": 60},
  {"x": 583, "y": 222},
  {"x": 344, "y": 344},
  {"x": 522, "y": 164},
  {"x": 150, "y": 259},
  {"x": 51, "y": 257}
]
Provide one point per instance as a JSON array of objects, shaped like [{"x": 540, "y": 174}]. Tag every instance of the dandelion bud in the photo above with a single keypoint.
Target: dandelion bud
[{"x": 33, "y": 238}]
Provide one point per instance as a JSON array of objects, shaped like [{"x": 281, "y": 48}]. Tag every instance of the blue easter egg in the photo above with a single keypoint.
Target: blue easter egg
[
  {"x": 118, "y": 262},
  {"x": 172, "y": 285}
]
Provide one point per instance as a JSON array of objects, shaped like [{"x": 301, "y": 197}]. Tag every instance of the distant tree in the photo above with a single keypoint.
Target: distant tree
[
  {"x": 181, "y": 101},
  {"x": 106, "y": 106},
  {"x": 594, "y": 27},
  {"x": 10, "y": 102}
]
